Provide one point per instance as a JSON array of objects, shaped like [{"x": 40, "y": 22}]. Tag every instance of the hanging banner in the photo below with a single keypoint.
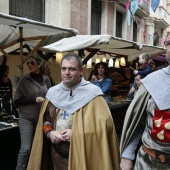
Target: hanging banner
[
  {"x": 128, "y": 17},
  {"x": 154, "y": 4},
  {"x": 133, "y": 6},
  {"x": 127, "y": 5}
]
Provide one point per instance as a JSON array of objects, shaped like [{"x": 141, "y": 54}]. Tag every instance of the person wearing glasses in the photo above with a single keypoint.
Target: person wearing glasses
[
  {"x": 30, "y": 92},
  {"x": 77, "y": 123},
  {"x": 148, "y": 119}
]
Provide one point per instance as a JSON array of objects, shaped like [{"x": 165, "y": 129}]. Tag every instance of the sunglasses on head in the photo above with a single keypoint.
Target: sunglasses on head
[{"x": 32, "y": 63}]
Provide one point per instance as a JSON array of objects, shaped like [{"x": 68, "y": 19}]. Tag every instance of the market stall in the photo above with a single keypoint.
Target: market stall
[
  {"x": 109, "y": 47},
  {"x": 104, "y": 43},
  {"x": 114, "y": 47},
  {"x": 22, "y": 34},
  {"x": 25, "y": 37}
]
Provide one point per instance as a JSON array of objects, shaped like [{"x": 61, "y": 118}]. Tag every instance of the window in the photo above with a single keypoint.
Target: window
[
  {"x": 156, "y": 39},
  {"x": 95, "y": 17},
  {"x": 119, "y": 17},
  {"x": 135, "y": 30},
  {"x": 32, "y": 9}
]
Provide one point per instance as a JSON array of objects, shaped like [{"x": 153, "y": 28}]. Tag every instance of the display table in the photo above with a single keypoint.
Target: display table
[{"x": 9, "y": 145}]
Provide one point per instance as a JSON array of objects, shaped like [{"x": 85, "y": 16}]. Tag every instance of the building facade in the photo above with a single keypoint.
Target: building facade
[
  {"x": 97, "y": 17},
  {"x": 92, "y": 17}
]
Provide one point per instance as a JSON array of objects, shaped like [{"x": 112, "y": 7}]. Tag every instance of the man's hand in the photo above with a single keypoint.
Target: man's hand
[
  {"x": 55, "y": 137},
  {"x": 126, "y": 164},
  {"x": 66, "y": 134}
]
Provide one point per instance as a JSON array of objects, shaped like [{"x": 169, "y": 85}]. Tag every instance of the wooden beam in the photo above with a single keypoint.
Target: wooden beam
[
  {"x": 27, "y": 47},
  {"x": 6, "y": 54},
  {"x": 34, "y": 38},
  {"x": 21, "y": 40},
  {"x": 21, "y": 49},
  {"x": 48, "y": 56},
  {"x": 10, "y": 44},
  {"x": 34, "y": 49},
  {"x": 90, "y": 55}
]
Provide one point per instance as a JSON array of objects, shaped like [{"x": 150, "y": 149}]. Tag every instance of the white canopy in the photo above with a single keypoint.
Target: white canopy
[
  {"x": 105, "y": 43},
  {"x": 17, "y": 30}
]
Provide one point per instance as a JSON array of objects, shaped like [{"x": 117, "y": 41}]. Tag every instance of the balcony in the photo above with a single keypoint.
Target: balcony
[
  {"x": 143, "y": 9},
  {"x": 162, "y": 17}
]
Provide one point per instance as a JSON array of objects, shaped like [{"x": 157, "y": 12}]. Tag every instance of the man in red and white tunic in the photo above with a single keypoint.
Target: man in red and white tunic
[{"x": 148, "y": 118}]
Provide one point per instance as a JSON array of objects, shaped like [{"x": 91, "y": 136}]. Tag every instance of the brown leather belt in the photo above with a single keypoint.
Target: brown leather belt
[
  {"x": 58, "y": 148},
  {"x": 161, "y": 157}
]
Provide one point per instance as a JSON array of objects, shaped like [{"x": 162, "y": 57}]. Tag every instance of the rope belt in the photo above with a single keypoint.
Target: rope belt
[{"x": 161, "y": 157}]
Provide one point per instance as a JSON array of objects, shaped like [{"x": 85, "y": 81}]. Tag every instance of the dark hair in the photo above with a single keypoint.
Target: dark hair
[
  {"x": 3, "y": 69},
  {"x": 106, "y": 69},
  {"x": 40, "y": 61},
  {"x": 69, "y": 56},
  {"x": 145, "y": 56}
]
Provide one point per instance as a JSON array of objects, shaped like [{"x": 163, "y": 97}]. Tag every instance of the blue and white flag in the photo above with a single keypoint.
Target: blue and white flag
[
  {"x": 154, "y": 4},
  {"x": 133, "y": 6}
]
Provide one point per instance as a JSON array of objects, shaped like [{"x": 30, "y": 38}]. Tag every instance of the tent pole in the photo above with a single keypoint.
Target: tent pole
[
  {"x": 6, "y": 54},
  {"x": 21, "y": 49},
  {"x": 90, "y": 56},
  {"x": 34, "y": 49}
]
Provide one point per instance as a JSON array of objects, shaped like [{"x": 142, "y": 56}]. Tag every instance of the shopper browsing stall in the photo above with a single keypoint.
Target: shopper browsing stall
[{"x": 30, "y": 92}]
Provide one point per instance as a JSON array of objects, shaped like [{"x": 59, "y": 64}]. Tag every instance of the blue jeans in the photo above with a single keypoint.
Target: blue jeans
[{"x": 27, "y": 130}]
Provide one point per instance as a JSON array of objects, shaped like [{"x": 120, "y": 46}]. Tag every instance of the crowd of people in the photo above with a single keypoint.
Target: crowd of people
[{"x": 69, "y": 125}]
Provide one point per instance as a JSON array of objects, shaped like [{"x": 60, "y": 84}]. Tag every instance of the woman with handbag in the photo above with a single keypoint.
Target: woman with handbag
[{"x": 30, "y": 92}]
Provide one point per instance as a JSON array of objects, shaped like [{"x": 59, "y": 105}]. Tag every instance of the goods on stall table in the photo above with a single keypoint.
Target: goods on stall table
[{"x": 4, "y": 125}]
